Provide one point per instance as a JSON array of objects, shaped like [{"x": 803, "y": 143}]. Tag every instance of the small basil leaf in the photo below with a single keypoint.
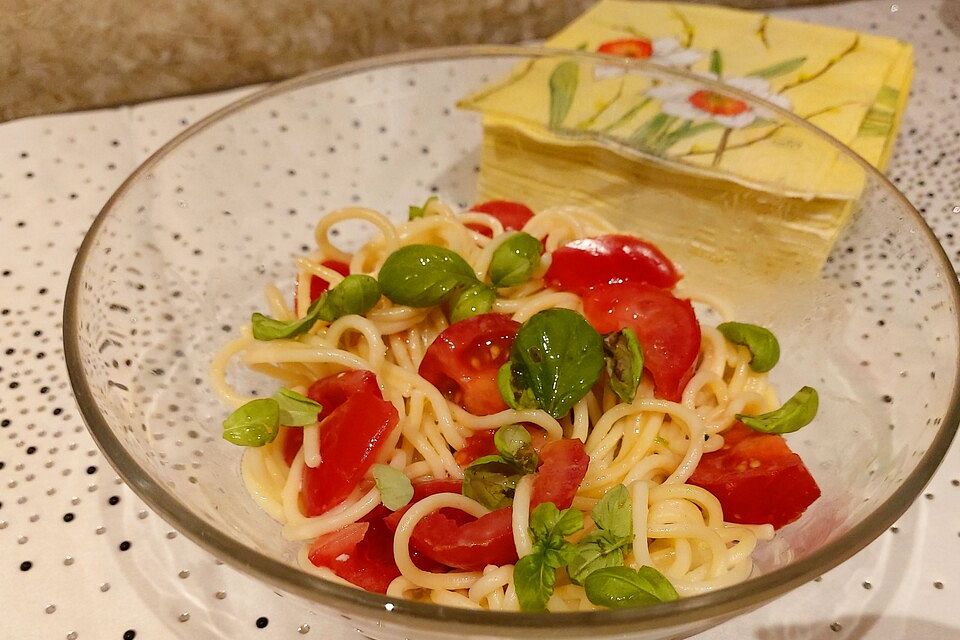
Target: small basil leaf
[
  {"x": 266, "y": 328},
  {"x": 558, "y": 356},
  {"x": 296, "y": 410},
  {"x": 592, "y": 553},
  {"x": 516, "y": 447},
  {"x": 763, "y": 345},
  {"x": 796, "y": 413},
  {"x": 422, "y": 275},
  {"x": 519, "y": 399},
  {"x": 614, "y": 512},
  {"x": 515, "y": 260},
  {"x": 394, "y": 486},
  {"x": 624, "y": 362},
  {"x": 354, "y": 295},
  {"x": 254, "y": 424},
  {"x": 491, "y": 481},
  {"x": 471, "y": 301},
  {"x": 414, "y": 212},
  {"x": 534, "y": 581},
  {"x": 619, "y": 587}
]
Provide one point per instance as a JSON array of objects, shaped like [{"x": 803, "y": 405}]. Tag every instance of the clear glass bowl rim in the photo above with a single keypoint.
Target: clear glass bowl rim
[{"x": 723, "y": 602}]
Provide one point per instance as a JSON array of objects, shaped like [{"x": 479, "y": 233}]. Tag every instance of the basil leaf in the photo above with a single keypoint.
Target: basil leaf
[
  {"x": 516, "y": 447},
  {"x": 763, "y": 345},
  {"x": 796, "y": 413},
  {"x": 296, "y": 410},
  {"x": 354, "y": 295},
  {"x": 595, "y": 551},
  {"x": 266, "y": 328},
  {"x": 491, "y": 481},
  {"x": 394, "y": 486},
  {"x": 548, "y": 524},
  {"x": 515, "y": 260},
  {"x": 421, "y": 275},
  {"x": 558, "y": 356},
  {"x": 563, "y": 85},
  {"x": 624, "y": 362},
  {"x": 619, "y": 587},
  {"x": 414, "y": 212},
  {"x": 519, "y": 399},
  {"x": 254, "y": 424},
  {"x": 534, "y": 581},
  {"x": 471, "y": 301},
  {"x": 614, "y": 512}
]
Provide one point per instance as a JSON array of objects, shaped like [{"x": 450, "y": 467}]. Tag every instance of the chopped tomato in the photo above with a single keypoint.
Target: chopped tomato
[
  {"x": 666, "y": 327},
  {"x": 559, "y": 476},
  {"x": 368, "y": 563},
  {"x": 350, "y": 440},
  {"x": 628, "y": 48},
  {"x": 462, "y": 362},
  {"x": 583, "y": 264},
  {"x": 469, "y": 546},
  {"x": 756, "y": 478},
  {"x": 512, "y": 215},
  {"x": 318, "y": 285},
  {"x": 330, "y": 392},
  {"x": 481, "y": 444}
]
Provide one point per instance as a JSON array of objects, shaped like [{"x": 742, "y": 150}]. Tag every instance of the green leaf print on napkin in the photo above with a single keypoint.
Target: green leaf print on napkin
[{"x": 563, "y": 86}]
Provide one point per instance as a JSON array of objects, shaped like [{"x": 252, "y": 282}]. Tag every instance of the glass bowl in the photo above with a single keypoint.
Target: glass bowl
[{"x": 177, "y": 259}]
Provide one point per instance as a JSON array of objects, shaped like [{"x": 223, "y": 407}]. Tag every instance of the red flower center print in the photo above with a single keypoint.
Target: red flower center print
[
  {"x": 628, "y": 48},
  {"x": 717, "y": 104}
]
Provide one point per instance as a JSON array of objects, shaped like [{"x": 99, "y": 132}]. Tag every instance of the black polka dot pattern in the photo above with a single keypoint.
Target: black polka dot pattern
[{"x": 71, "y": 532}]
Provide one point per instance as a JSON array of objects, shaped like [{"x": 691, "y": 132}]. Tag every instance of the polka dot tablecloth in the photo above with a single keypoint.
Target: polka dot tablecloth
[{"x": 82, "y": 558}]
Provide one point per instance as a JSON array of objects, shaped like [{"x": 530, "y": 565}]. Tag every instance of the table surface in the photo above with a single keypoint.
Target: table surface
[{"x": 82, "y": 557}]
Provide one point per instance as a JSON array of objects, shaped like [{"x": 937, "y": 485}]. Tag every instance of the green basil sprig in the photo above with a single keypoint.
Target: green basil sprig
[
  {"x": 555, "y": 359},
  {"x": 492, "y": 480},
  {"x": 354, "y": 295},
  {"x": 257, "y": 422},
  {"x": 414, "y": 212},
  {"x": 796, "y": 413},
  {"x": 471, "y": 301},
  {"x": 606, "y": 546},
  {"x": 624, "y": 362},
  {"x": 619, "y": 587},
  {"x": 515, "y": 260},
  {"x": 394, "y": 486},
  {"x": 763, "y": 345},
  {"x": 535, "y": 575},
  {"x": 422, "y": 275}
]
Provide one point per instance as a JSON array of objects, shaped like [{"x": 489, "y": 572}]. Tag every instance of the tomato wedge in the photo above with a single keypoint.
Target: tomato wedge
[
  {"x": 330, "y": 392},
  {"x": 368, "y": 562},
  {"x": 756, "y": 478},
  {"x": 560, "y": 474},
  {"x": 512, "y": 215},
  {"x": 350, "y": 440},
  {"x": 462, "y": 362},
  {"x": 318, "y": 285},
  {"x": 583, "y": 264},
  {"x": 628, "y": 48},
  {"x": 666, "y": 327},
  {"x": 469, "y": 546}
]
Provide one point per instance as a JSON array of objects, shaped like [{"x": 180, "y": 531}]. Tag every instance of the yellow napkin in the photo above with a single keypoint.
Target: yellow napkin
[{"x": 850, "y": 84}]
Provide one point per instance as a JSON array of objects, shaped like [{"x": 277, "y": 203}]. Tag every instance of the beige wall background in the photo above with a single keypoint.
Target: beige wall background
[{"x": 63, "y": 55}]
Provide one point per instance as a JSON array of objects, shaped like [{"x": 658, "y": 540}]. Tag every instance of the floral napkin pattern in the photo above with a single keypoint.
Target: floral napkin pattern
[{"x": 852, "y": 85}]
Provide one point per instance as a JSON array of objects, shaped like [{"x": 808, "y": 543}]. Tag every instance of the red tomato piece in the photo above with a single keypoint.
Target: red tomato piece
[
  {"x": 369, "y": 564},
  {"x": 420, "y": 491},
  {"x": 560, "y": 474},
  {"x": 481, "y": 444},
  {"x": 756, "y": 478},
  {"x": 580, "y": 265},
  {"x": 328, "y": 547},
  {"x": 628, "y": 48},
  {"x": 350, "y": 440},
  {"x": 512, "y": 215},
  {"x": 319, "y": 285},
  {"x": 292, "y": 443},
  {"x": 333, "y": 391},
  {"x": 666, "y": 328},
  {"x": 469, "y": 546},
  {"x": 462, "y": 362}
]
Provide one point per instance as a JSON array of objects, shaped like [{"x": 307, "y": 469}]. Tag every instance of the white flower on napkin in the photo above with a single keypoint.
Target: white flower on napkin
[{"x": 692, "y": 103}]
